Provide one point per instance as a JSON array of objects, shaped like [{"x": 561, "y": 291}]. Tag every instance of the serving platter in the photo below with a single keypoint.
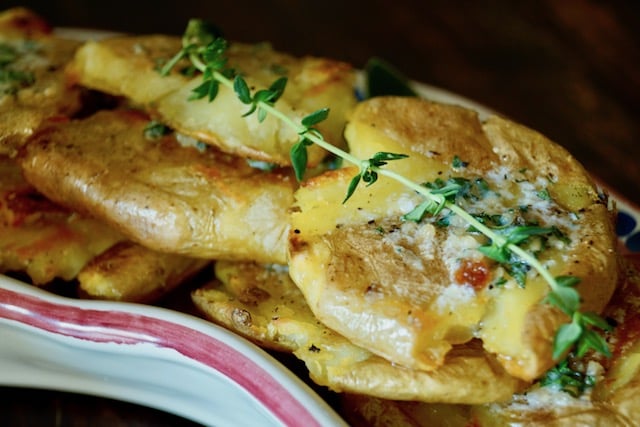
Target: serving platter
[
  {"x": 170, "y": 360},
  {"x": 148, "y": 355}
]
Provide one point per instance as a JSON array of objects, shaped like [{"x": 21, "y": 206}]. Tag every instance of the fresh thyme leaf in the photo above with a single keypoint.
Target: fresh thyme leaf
[
  {"x": 430, "y": 206},
  {"x": 315, "y": 117},
  {"x": 495, "y": 252},
  {"x": 206, "y": 51},
  {"x": 207, "y": 89},
  {"x": 155, "y": 130},
  {"x": 214, "y": 55},
  {"x": 500, "y": 281},
  {"x": 419, "y": 212},
  {"x": 495, "y": 221},
  {"x": 261, "y": 97},
  {"x": 520, "y": 234},
  {"x": 298, "y": 155},
  {"x": 518, "y": 269},
  {"x": 566, "y": 299},
  {"x": 597, "y": 321},
  {"x": 580, "y": 335},
  {"x": 368, "y": 170},
  {"x": 444, "y": 220},
  {"x": 200, "y": 32},
  {"x": 353, "y": 184},
  {"x": 458, "y": 163},
  {"x": 382, "y": 157},
  {"x": 571, "y": 381},
  {"x": 567, "y": 335},
  {"x": 242, "y": 90},
  {"x": 369, "y": 176},
  {"x": 567, "y": 281},
  {"x": 544, "y": 194},
  {"x": 590, "y": 340},
  {"x": 277, "y": 89}
]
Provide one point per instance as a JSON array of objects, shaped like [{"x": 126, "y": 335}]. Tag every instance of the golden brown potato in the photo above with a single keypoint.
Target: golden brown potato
[
  {"x": 378, "y": 279},
  {"x": 40, "y": 238},
  {"x": 250, "y": 299},
  {"x": 263, "y": 304},
  {"x": 133, "y": 273},
  {"x": 612, "y": 402},
  {"x": 158, "y": 193},
  {"x": 128, "y": 66},
  {"x": 35, "y": 88}
]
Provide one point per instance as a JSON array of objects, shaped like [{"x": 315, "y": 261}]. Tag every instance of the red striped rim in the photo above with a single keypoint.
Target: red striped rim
[{"x": 123, "y": 327}]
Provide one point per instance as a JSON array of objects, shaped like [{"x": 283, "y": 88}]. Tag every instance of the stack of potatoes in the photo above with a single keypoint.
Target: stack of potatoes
[{"x": 408, "y": 320}]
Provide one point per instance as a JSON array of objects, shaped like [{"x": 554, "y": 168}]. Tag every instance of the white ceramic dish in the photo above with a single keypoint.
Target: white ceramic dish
[
  {"x": 151, "y": 356},
  {"x": 165, "y": 359}
]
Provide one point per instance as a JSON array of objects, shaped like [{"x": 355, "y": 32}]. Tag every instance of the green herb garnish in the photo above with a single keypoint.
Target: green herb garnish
[
  {"x": 506, "y": 245},
  {"x": 156, "y": 130},
  {"x": 12, "y": 79},
  {"x": 567, "y": 379}
]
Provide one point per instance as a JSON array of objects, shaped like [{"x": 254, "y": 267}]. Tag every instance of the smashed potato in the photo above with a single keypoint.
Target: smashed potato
[
  {"x": 159, "y": 193},
  {"x": 128, "y": 66},
  {"x": 425, "y": 287},
  {"x": 33, "y": 87},
  {"x": 613, "y": 401},
  {"x": 43, "y": 239},
  {"x": 262, "y": 303},
  {"x": 407, "y": 319},
  {"x": 133, "y": 273}
]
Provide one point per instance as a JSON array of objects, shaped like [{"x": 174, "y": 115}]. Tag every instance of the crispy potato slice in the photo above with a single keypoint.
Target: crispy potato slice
[
  {"x": 613, "y": 401},
  {"x": 40, "y": 238},
  {"x": 133, "y": 273},
  {"x": 250, "y": 299},
  {"x": 162, "y": 195},
  {"x": 128, "y": 66},
  {"x": 33, "y": 87},
  {"x": 376, "y": 279},
  {"x": 264, "y": 305}
]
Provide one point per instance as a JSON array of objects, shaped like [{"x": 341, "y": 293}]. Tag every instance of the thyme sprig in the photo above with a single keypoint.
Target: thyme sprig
[{"x": 206, "y": 52}]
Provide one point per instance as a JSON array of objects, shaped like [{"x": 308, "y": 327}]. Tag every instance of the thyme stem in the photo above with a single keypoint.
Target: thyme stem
[
  {"x": 562, "y": 295},
  {"x": 412, "y": 185}
]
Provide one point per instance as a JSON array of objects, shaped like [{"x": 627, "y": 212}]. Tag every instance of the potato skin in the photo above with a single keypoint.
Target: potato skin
[
  {"x": 40, "y": 238},
  {"x": 162, "y": 195},
  {"x": 376, "y": 279},
  {"x": 613, "y": 402},
  {"x": 263, "y": 304}
]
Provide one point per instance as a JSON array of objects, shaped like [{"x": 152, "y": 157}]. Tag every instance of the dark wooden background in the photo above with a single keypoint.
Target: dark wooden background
[{"x": 569, "y": 69}]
